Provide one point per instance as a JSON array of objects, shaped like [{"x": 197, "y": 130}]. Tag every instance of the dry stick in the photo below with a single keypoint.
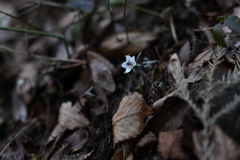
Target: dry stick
[
  {"x": 81, "y": 62},
  {"x": 39, "y": 33},
  {"x": 18, "y": 134},
  {"x": 124, "y": 19}
]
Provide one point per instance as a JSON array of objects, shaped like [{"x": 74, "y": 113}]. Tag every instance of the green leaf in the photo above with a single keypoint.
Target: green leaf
[
  {"x": 233, "y": 22},
  {"x": 217, "y": 35}
]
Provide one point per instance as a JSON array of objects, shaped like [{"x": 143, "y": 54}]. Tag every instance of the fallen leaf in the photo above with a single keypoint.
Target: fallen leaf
[
  {"x": 112, "y": 47},
  {"x": 93, "y": 55},
  {"x": 70, "y": 117},
  {"x": 170, "y": 144},
  {"x": 170, "y": 116},
  {"x": 102, "y": 75},
  {"x": 128, "y": 122}
]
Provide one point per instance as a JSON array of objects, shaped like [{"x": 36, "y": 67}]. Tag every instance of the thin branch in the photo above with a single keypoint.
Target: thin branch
[
  {"x": 39, "y": 33},
  {"x": 42, "y": 57}
]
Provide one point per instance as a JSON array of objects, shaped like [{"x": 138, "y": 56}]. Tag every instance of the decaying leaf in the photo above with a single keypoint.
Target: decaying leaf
[
  {"x": 170, "y": 144},
  {"x": 70, "y": 116},
  {"x": 223, "y": 147},
  {"x": 113, "y": 47},
  {"x": 128, "y": 121},
  {"x": 102, "y": 75}
]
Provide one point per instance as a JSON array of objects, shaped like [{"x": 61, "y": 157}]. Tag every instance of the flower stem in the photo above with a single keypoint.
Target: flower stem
[{"x": 132, "y": 81}]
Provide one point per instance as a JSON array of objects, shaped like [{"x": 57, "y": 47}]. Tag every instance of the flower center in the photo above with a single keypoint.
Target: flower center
[{"x": 129, "y": 64}]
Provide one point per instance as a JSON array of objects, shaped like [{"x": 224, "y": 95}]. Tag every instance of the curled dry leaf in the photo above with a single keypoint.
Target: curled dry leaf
[
  {"x": 102, "y": 75},
  {"x": 128, "y": 121},
  {"x": 170, "y": 144},
  {"x": 113, "y": 47},
  {"x": 70, "y": 117},
  {"x": 224, "y": 147}
]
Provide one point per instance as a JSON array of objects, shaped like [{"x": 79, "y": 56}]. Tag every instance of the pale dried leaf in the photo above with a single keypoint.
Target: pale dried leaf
[
  {"x": 170, "y": 144},
  {"x": 102, "y": 75},
  {"x": 128, "y": 122},
  {"x": 113, "y": 47},
  {"x": 71, "y": 117},
  {"x": 19, "y": 108}
]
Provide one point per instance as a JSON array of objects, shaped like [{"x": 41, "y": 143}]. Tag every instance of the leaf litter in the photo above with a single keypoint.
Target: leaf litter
[{"x": 68, "y": 97}]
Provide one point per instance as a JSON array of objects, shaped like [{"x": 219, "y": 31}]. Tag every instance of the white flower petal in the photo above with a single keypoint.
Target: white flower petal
[
  {"x": 124, "y": 65},
  {"x": 128, "y": 58},
  {"x": 128, "y": 70}
]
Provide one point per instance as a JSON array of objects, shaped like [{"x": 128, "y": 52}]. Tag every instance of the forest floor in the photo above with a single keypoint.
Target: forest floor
[{"x": 118, "y": 79}]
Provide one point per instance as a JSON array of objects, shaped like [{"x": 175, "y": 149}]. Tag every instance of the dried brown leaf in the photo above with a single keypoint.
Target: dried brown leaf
[
  {"x": 70, "y": 117},
  {"x": 184, "y": 53},
  {"x": 128, "y": 121},
  {"x": 170, "y": 144}
]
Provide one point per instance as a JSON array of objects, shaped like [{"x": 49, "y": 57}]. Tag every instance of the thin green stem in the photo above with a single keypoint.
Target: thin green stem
[
  {"x": 39, "y": 33},
  {"x": 132, "y": 81},
  {"x": 112, "y": 18},
  {"x": 21, "y": 20},
  {"x": 124, "y": 20}
]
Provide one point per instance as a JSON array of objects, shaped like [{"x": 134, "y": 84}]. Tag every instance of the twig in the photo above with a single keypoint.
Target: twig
[
  {"x": 124, "y": 20},
  {"x": 39, "y": 33},
  {"x": 42, "y": 57},
  {"x": 18, "y": 134}
]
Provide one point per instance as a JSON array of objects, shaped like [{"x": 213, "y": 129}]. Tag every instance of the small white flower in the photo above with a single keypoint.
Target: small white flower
[{"x": 129, "y": 63}]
